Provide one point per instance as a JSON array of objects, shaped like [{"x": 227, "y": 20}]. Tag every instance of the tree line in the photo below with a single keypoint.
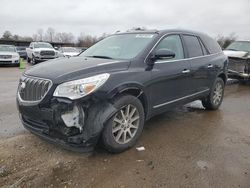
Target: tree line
[
  {"x": 50, "y": 35},
  {"x": 83, "y": 40}
]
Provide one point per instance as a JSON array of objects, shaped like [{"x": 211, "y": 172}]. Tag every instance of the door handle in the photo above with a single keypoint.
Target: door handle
[
  {"x": 210, "y": 66},
  {"x": 185, "y": 71}
]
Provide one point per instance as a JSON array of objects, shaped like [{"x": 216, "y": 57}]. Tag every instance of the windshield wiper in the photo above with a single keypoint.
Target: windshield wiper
[{"x": 100, "y": 56}]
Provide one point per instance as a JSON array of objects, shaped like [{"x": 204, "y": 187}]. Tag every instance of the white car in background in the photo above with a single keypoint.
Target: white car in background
[
  {"x": 68, "y": 52},
  {"x": 40, "y": 51},
  {"x": 238, "y": 54},
  {"x": 9, "y": 55}
]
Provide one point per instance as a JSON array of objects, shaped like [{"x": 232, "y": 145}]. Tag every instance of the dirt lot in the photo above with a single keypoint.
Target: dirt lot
[{"x": 186, "y": 147}]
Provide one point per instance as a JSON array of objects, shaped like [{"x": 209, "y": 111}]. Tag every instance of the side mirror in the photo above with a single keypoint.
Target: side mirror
[
  {"x": 31, "y": 47},
  {"x": 163, "y": 54}
]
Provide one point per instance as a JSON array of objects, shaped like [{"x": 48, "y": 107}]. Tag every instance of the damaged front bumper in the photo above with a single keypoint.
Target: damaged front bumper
[
  {"x": 75, "y": 125},
  {"x": 239, "y": 68}
]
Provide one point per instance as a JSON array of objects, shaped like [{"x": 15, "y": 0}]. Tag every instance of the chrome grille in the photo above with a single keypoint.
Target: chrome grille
[
  {"x": 237, "y": 64},
  {"x": 5, "y": 56},
  {"x": 33, "y": 89},
  {"x": 47, "y": 53}
]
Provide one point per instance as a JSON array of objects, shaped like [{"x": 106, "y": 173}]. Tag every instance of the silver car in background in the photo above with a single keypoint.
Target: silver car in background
[
  {"x": 239, "y": 60},
  {"x": 68, "y": 52},
  {"x": 9, "y": 55}
]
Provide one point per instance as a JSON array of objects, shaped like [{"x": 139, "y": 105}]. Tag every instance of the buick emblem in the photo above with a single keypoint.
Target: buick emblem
[{"x": 22, "y": 85}]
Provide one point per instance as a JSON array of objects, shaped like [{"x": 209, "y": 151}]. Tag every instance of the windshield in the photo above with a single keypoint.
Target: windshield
[
  {"x": 20, "y": 48},
  {"x": 239, "y": 46},
  {"x": 7, "y": 49},
  {"x": 124, "y": 46},
  {"x": 69, "y": 49},
  {"x": 42, "y": 45}
]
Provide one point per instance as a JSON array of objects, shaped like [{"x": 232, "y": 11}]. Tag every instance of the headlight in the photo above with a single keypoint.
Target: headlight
[
  {"x": 80, "y": 88},
  {"x": 15, "y": 56}
]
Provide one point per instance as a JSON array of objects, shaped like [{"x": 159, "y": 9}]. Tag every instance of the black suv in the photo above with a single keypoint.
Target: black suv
[{"x": 105, "y": 94}]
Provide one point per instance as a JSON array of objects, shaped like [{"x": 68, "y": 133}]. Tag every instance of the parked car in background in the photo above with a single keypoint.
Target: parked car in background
[
  {"x": 9, "y": 55},
  {"x": 106, "y": 93},
  {"x": 40, "y": 51},
  {"x": 238, "y": 54},
  {"x": 81, "y": 49},
  {"x": 68, "y": 52},
  {"x": 21, "y": 50}
]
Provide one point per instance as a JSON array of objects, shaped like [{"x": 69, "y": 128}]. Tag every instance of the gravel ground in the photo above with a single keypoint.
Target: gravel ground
[{"x": 186, "y": 147}]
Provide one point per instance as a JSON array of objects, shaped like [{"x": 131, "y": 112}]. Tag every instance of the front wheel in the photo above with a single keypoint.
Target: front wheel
[
  {"x": 214, "y": 99},
  {"x": 124, "y": 128},
  {"x": 33, "y": 60},
  {"x": 28, "y": 59}
]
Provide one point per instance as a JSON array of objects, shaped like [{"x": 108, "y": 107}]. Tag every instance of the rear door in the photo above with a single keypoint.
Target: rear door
[
  {"x": 200, "y": 65},
  {"x": 171, "y": 78}
]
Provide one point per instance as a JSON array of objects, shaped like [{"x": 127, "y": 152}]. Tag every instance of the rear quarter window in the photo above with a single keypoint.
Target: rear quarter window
[
  {"x": 204, "y": 49},
  {"x": 211, "y": 44},
  {"x": 193, "y": 46}
]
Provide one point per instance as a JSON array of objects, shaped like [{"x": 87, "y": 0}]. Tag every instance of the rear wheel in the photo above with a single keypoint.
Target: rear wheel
[
  {"x": 124, "y": 128},
  {"x": 214, "y": 99}
]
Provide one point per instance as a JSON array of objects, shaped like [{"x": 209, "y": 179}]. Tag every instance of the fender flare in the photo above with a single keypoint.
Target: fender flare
[{"x": 223, "y": 75}]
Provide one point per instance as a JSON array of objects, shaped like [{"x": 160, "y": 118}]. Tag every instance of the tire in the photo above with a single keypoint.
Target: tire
[
  {"x": 215, "y": 98},
  {"x": 28, "y": 59},
  {"x": 117, "y": 127},
  {"x": 33, "y": 61}
]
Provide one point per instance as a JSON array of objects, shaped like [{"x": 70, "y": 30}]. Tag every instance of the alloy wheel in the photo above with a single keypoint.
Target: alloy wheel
[
  {"x": 125, "y": 124},
  {"x": 218, "y": 92}
]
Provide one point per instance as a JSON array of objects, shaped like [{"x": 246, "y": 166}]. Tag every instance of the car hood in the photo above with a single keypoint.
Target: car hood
[
  {"x": 43, "y": 49},
  {"x": 8, "y": 53},
  {"x": 237, "y": 54},
  {"x": 66, "y": 69},
  {"x": 70, "y": 53}
]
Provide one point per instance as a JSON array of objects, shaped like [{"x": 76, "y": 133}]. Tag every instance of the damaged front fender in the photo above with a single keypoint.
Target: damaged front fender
[
  {"x": 98, "y": 114},
  {"x": 76, "y": 125}
]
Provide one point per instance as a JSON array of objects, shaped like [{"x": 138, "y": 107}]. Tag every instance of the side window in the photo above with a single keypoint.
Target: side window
[
  {"x": 172, "y": 43},
  {"x": 193, "y": 46},
  {"x": 204, "y": 49}
]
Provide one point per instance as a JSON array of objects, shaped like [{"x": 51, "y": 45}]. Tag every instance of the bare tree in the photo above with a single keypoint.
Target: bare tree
[
  {"x": 7, "y": 35},
  {"x": 40, "y": 34},
  {"x": 58, "y": 37},
  {"x": 104, "y": 35},
  {"x": 26, "y": 38},
  {"x": 86, "y": 40},
  {"x": 225, "y": 41},
  {"x": 64, "y": 37},
  {"x": 50, "y": 34},
  {"x": 35, "y": 37},
  {"x": 80, "y": 40},
  {"x": 16, "y": 37}
]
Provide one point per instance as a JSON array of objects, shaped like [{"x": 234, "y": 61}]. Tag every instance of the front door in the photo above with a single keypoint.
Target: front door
[{"x": 171, "y": 80}]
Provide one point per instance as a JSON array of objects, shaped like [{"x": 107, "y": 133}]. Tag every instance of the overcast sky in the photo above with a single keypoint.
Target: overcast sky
[{"x": 25, "y": 17}]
